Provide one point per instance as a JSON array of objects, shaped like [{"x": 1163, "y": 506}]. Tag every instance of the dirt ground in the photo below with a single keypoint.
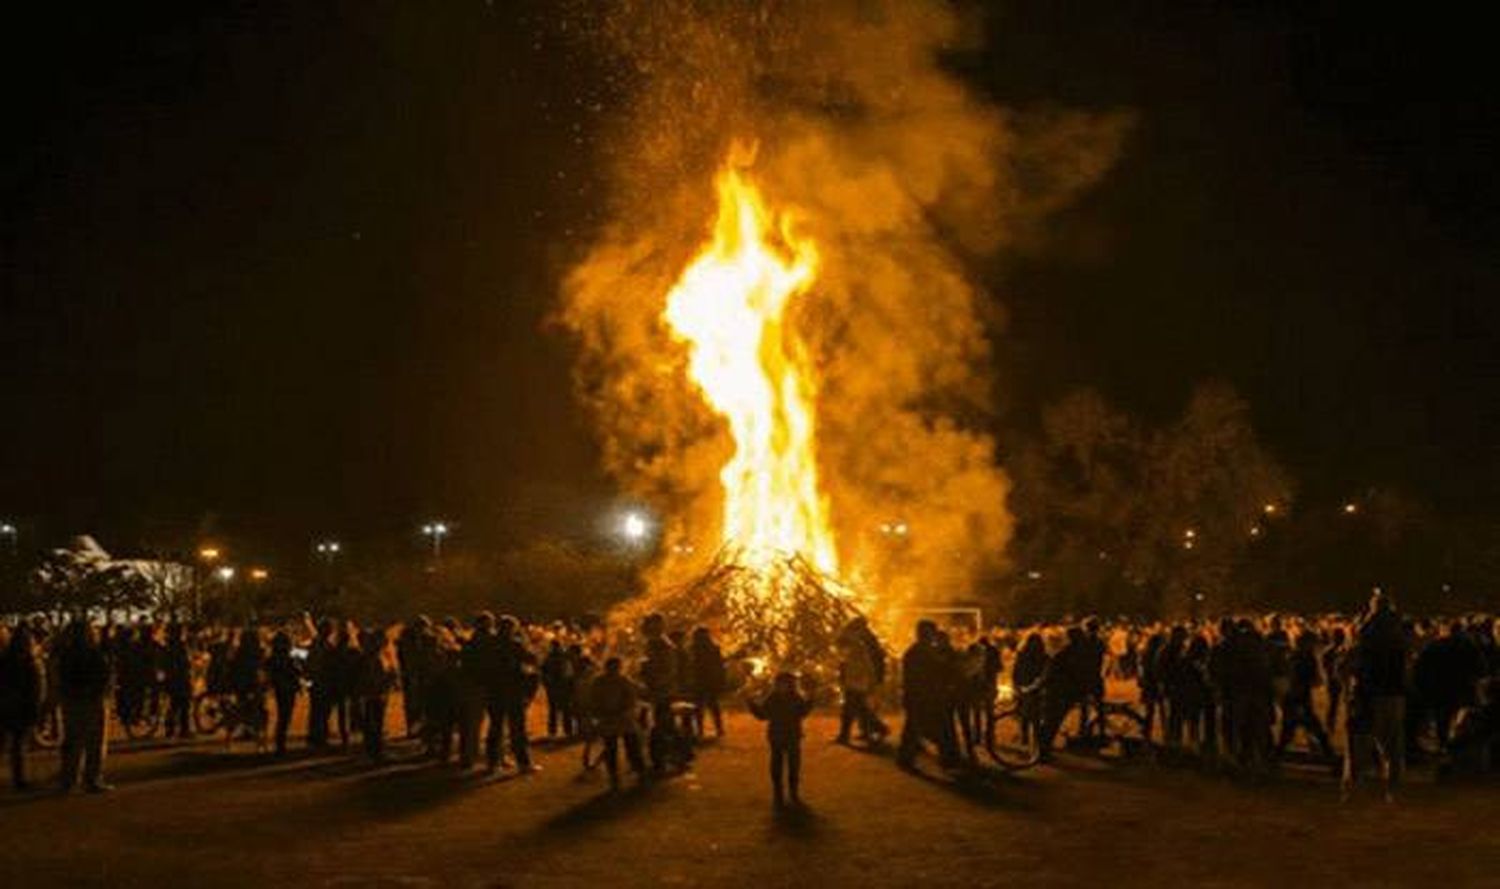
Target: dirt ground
[{"x": 200, "y": 816}]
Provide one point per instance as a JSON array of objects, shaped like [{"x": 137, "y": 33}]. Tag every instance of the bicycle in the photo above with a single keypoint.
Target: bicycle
[
  {"x": 1112, "y": 724},
  {"x": 144, "y": 719},
  {"x": 1016, "y": 743},
  {"x": 47, "y": 733},
  {"x": 216, "y": 711}
]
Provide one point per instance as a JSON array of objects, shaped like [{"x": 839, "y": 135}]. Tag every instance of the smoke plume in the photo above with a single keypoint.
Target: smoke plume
[{"x": 904, "y": 179}]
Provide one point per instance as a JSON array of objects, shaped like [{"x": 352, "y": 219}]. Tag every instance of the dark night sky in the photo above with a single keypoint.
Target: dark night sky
[{"x": 279, "y": 268}]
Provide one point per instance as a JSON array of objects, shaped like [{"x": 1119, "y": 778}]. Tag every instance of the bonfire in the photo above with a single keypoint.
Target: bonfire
[
  {"x": 781, "y": 613},
  {"x": 772, "y": 589}
]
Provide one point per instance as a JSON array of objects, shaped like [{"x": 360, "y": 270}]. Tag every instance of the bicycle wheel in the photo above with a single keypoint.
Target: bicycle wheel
[
  {"x": 208, "y": 713},
  {"x": 47, "y": 733},
  {"x": 1124, "y": 728},
  {"x": 1012, "y": 748},
  {"x": 145, "y": 724}
]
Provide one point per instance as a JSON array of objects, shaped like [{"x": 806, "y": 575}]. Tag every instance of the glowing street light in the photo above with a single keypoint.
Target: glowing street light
[
  {"x": 1270, "y": 509},
  {"x": 10, "y": 533},
  {"x": 259, "y": 575},
  {"x": 895, "y": 529},
  {"x": 436, "y": 531},
  {"x": 225, "y": 574},
  {"x": 209, "y": 554},
  {"x": 329, "y": 550},
  {"x": 635, "y": 528},
  {"x": 1351, "y": 508}
]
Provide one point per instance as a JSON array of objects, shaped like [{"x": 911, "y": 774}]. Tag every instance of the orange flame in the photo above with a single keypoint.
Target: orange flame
[{"x": 730, "y": 307}]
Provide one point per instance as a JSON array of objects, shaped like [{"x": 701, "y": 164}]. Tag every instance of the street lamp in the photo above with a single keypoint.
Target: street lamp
[
  {"x": 259, "y": 575},
  {"x": 436, "y": 531},
  {"x": 10, "y": 533},
  {"x": 895, "y": 529},
  {"x": 1351, "y": 508},
  {"x": 329, "y": 550},
  {"x": 634, "y": 527}
]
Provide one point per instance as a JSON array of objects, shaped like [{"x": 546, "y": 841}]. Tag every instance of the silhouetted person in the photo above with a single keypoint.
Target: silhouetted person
[
  {"x": 22, "y": 681},
  {"x": 1333, "y": 675},
  {"x": 858, "y": 680},
  {"x": 984, "y": 687},
  {"x": 1279, "y": 647},
  {"x": 284, "y": 675},
  {"x": 1169, "y": 670},
  {"x": 659, "y": 675},
  {"x": 783, "y": 711},
  {"x": 1026, "y": 681},
  {"x": 346, "y": 665},
  {"x": 1297, "y": 704},
  {"x": 495, "y": 662},
  {"x": 1197, "y": 696},
  {"x": 1476, "y": 734},
  {"x": 1377, "y": 704},
  {"x": 611, "y": 705},
  {"x": 1251, "y": 695},
  {"x": 1184, "y": 672},
  {"x": 177, "y": 682},
  {"x": 952, "y": 688},
  {"x": 518, "y": 685},
  {"x": 373, "y": 684},
  {"x": 443, "y": 699},
  {"x": 322, "y": 669},
  {"x": 557, "y": 685},
  {"x": 584, "y": 673},
  {"x": 922, "y": 698},
  {"x": 84, "y": 676},
  {"x": 1152, "y": 688},
  {"x": 1445, "y": 676},
  {"x": 245, "y": 681},
  {"x": 415, "y": 651},
  {"x": 707, "y": 680},
  {"x": 1091, "y": 654},
  {"x": 1066, "y": 685},
  {"x": 134, "y": 671},
  {"x": 1222, "y": 690}
]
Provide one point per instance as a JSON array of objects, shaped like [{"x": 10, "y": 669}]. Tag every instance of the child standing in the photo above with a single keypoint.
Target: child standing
[{"x": 783, "y": 711}]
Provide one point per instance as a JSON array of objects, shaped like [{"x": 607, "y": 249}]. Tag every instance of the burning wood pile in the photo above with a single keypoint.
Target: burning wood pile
[{"x": 777, "y": 611}]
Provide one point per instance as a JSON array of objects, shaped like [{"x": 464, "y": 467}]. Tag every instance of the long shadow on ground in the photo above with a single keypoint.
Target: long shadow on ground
[{"x": 981, "y": 784}]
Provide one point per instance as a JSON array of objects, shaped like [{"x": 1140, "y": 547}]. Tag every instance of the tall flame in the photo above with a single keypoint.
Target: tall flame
[{"x": 730, "y": 307}]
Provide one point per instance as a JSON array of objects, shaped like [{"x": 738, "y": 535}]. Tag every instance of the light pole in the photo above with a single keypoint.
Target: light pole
[
  {"x": 225, "y": 574},
  {"x": 436, "y": 531},
  {"x": 207, "y": 555}
]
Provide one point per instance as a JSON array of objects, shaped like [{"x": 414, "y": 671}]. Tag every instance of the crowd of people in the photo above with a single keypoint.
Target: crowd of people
[
  {"x": 456, "y": 683},
  {"x": 1237, "y": 692}
]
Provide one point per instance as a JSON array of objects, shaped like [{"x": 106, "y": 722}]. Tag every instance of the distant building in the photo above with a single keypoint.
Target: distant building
[{"x": 171, "y": 583}]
